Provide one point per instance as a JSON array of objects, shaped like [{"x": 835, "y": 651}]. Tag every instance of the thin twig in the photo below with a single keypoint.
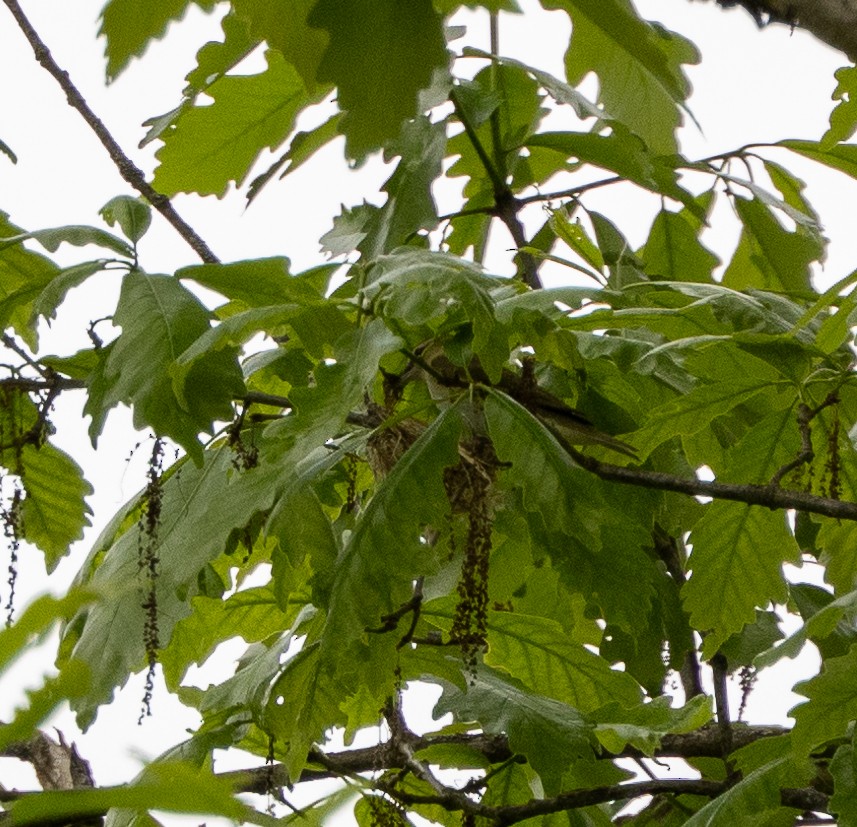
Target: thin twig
[
  {"x": 390, "y": 621},
  {"x": 61, "y": 383},
  {"x": 672, "y": 555},
  {"x": 127, "y": 169},
  {"x": 497, "y": 182},
  {"x": 571, "y": 192},
  {"x": 506, "y": 206},
  {"x": 10, "y": 343},
  {"x": 750, "y": 494},
  {"x": 805, "y": 455}
]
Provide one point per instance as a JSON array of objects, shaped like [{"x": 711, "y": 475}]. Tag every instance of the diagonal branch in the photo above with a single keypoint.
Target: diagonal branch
[
  {"x": 127, "y": 168},
  {"x": 506, "y": 206}
]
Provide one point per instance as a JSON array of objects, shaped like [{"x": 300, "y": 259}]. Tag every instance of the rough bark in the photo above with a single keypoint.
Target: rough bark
[{"x": 834, "y": 22}]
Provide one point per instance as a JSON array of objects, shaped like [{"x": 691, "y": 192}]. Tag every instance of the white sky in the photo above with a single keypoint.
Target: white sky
[{"x": 751, "y": 86}]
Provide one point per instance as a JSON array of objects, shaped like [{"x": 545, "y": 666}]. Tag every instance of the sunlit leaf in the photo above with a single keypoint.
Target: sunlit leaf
[
  {"x": 639, "y": 66},
  {"x": 54, "y": 512},
  {"x": 211, "y": 146}
]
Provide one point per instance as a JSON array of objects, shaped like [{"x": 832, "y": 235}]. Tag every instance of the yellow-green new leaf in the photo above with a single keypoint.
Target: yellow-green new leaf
[{"x": 54, "y": 512}]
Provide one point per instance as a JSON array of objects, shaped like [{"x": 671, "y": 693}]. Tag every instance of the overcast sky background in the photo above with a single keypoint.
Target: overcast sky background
[{"x": 751, "y": 86}]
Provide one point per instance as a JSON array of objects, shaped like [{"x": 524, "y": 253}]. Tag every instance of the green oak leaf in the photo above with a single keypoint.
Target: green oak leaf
[
  {"x": 284, "y": 24},
  {"x": 643, "y": 726},
  {"x": 843, "y": 802},
  {"x": 544, "y": 470},
  {"x": 54, "y": 512},
  {"x": 673, "y": 250},
  {"x": 160, "y": 319},
  {"x": 381, "y": 54},
  {"x": 842, "y": 157},
  {"x": 537, "y": 652},
  {"x": 79, "y": 235},
  {"x": 843, "y": 119},
  {"x": 251, "y": 613},
  {"x": 37, "y": 619},
  {"x": 216, "y": 58},
  {"x": 23, "y": 276},
  {"x": 768, "y": 256},
  {"x": 693, "y": 411},
  {"x": 831, "y": 706},
  {"x": 128, "y": 27},
  {"x": 639, "y": 66},
  {"x": 549, "y": 733},
  {"x": 132, "y": 215},
  {"x": 301, "y": 148},
  {"x": 71, "y": 682},
  {"x": 54, "y": 293},
  {"x": 621, "y": 152},
  {"x": 210, "y": 146},
  {"x": 737, "y": 559},
  {"x": 757, "y": 794},
  {"x": 304, "y": 701}
]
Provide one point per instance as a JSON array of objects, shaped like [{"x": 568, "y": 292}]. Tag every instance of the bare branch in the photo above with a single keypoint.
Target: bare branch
[{"x": 127, "y": 169}]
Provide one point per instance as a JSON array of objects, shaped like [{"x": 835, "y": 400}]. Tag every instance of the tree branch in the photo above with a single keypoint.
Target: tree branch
[
  {"x": 705, "y": 742},
  {"x": 127, "y": 169},
  {"x": 766, "y": 495},
  {"x": 673, "y": 557},
  {"x": 769, "y": 495},
  {"x": 399, "y": 753},
  {"x": 506, "y": 206},
  {"x": 834, "y": 22}
]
